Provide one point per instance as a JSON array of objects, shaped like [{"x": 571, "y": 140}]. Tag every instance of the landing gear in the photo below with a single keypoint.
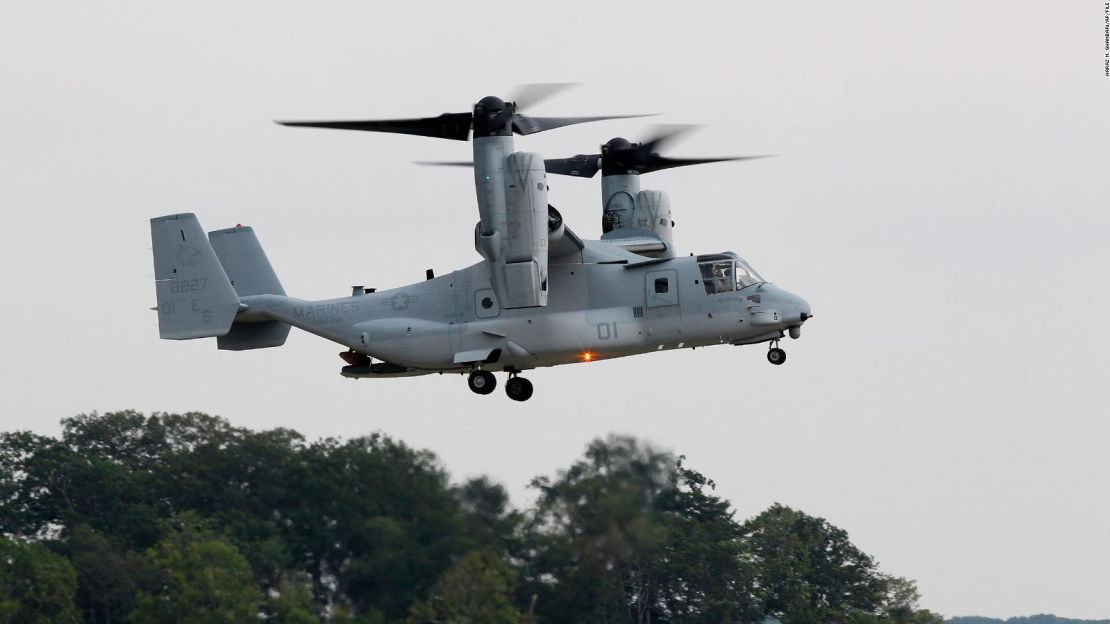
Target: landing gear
[
  {"x": 482, "y": 382},
  {"x": 776, "y": 355},
  {"x": 518, "y": 388}
]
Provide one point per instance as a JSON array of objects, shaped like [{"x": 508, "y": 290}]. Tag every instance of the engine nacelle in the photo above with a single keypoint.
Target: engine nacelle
[
  {"x": 618, "y": 193},
  {"x": 653, "y": 213},
  {"x": 516, "y": 250},
  {"x": 629, "y": 212}
]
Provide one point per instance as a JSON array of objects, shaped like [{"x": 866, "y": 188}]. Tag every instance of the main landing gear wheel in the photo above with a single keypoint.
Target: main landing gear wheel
[
  {"x": 776, "y": 356},
  {"x": 481, "y": 382},
  {"x": 518, "y": 388}
]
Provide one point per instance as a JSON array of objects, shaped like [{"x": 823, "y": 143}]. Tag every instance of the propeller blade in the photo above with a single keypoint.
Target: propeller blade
[
  {"x": 523, "y": 124},
  {"x": 445, "y": 163},
  {"x": 664, "y": 134},
  {"x": 531, "y": 94},
  {"x": 454, "y": 126},
  {"x": 659, "y": 163},
  {"x": 580, "y": 166}
]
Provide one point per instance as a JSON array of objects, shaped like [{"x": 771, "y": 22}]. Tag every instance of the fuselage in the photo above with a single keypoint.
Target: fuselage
[
  {"x": 541, "y": 296},
  {"x": 596, "y": 311}
]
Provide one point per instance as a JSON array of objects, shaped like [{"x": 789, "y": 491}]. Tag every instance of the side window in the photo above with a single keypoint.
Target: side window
[
  {"x": 717, "y": 277},
  {"x": 485, "y": 304},
  {"x": 662, "y": 285}
]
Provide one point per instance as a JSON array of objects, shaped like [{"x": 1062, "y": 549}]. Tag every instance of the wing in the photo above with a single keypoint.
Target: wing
[{"x": 638, "y": 241}]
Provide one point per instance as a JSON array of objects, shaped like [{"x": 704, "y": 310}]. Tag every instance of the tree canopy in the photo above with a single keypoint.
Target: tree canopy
[{"x": 126, "y": 517}]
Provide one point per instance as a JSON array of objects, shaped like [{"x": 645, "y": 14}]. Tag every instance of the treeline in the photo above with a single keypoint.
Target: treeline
[
  {"x": 184, "y": 518},
  {"x": 1040, "y": 618}
]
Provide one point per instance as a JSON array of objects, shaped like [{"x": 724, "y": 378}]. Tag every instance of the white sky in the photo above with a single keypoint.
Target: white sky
[{"x": 941, "y": 198}]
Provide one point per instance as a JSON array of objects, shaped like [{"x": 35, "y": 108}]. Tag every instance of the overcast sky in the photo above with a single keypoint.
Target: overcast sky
[{"x": 940, "y": 197}]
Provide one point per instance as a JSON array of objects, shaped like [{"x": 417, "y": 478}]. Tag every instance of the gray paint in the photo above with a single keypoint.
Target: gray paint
[{"x": 444, "y": 324}]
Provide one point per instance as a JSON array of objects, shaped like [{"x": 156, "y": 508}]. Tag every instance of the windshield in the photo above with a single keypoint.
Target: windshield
[
  {"x": 746, "y": 275},
  {"x": 726, "y": 273}
]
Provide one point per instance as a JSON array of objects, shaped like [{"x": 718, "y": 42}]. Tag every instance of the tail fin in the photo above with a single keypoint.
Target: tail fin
[
  {"x": 195, "y": 297},
  {"x": 250, "y": 273}
]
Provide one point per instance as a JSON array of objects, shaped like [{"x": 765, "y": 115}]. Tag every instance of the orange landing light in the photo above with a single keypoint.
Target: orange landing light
[{"x": 587, "y": 356}]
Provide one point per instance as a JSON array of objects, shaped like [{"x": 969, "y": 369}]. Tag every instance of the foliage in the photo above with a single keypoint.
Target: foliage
[
  {"x": 36, "y": 585},
  {"x": 477, "y": 589},
  {"x": 183, "y": 517},
  {"x": 809, "y": 571},
  {"x": 1041, "y": 618},
  {"x": 291, "y": 603},
  {"x": 196, "y": 576},
  {"x": 632, "y": 535},
  {"x": 108, "y": 576}
]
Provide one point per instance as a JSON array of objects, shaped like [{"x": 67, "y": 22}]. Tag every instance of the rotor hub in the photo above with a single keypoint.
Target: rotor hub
[{"x": 493, "y": 117}]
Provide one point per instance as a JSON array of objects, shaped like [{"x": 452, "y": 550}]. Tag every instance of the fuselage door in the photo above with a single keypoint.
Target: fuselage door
[
  {"x": 663, "y": 316},
  {"x": 662, "y": 288}
]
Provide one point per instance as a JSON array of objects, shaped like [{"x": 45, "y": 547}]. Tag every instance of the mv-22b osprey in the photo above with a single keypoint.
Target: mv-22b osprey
[{"x": 541, "y": 296}]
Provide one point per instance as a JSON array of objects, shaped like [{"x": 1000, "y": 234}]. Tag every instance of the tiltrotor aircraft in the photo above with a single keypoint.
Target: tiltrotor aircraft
[{"x": 541, "y": 296}]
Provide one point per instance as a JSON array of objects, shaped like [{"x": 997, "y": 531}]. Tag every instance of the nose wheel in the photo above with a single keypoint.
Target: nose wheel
[
  {"x": 481, "y": 382},
  {"x": 518, "y": 388},
  {"x": 776, "y": 355}
]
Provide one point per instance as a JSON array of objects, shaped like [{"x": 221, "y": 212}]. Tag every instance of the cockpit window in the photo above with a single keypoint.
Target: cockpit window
[
  {"x": 723, "y": 273},
  {"x": 746, "y": 275},
  {"x": 717, "y": 276}
]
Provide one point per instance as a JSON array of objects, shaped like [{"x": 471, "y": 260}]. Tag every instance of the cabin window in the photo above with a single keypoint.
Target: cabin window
[
  {"x": 718, "y": 277},
  {"x": 662, "y": 285}
]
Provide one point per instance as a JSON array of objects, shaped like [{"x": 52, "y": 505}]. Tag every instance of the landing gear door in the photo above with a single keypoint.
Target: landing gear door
[{"x": 662, "y": 316}]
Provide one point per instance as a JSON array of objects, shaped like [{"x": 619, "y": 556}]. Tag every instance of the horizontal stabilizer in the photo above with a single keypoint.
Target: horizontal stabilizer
[{"x": 245, "y": 336}]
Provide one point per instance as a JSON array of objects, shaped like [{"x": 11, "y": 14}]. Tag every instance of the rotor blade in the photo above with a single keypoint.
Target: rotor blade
[
  {"x": 664, "y": 134},
  {"x": 445, "y": 163},
  {"x": 523, "y": 124},
  {"x": 661, "y": 162},
  {"x": 455, "y": 126},
  {"x": 580, "y": 166},
  {"x": 532, "y": 94}
]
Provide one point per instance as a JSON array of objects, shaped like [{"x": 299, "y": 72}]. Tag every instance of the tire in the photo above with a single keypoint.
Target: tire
[
  {"x": 481, "y": 382},
  {"x": 776, "y": 356},
  {"x": 518, "y": 389}
]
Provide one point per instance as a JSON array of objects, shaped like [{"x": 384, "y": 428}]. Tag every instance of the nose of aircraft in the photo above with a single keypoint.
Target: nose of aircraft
[{"x": 792, "y": 309}]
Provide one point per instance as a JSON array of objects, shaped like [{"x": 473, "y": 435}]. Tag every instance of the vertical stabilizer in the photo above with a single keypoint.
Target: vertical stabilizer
[
  {"x": 244, "y": 261},
  {"x": 250, "y": 272},
  {"x": 195, "y": 297}
]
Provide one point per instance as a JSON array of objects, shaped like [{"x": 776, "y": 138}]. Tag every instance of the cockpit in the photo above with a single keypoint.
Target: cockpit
[{"x": 725, "y": 273}]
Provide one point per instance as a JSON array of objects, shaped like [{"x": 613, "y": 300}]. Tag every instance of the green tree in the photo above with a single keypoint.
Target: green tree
[
  {"x": 629, "y": 534},
  {"x": 107, "y": 575},
  {"x": 477, "y": 589},
  {"x": 808, "y": 571},
  {"x": 374, "y": 522},
  {"x": 291, "y": 603},
  {"x": 196, "y": 576},
  {"x": 900, "y": 604},
  {"x": 703, "y": 573},
  {"x": 183, "y": 517},
  {"x": 36, "y": 585},
  {"x": 489, "y": 520}
]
